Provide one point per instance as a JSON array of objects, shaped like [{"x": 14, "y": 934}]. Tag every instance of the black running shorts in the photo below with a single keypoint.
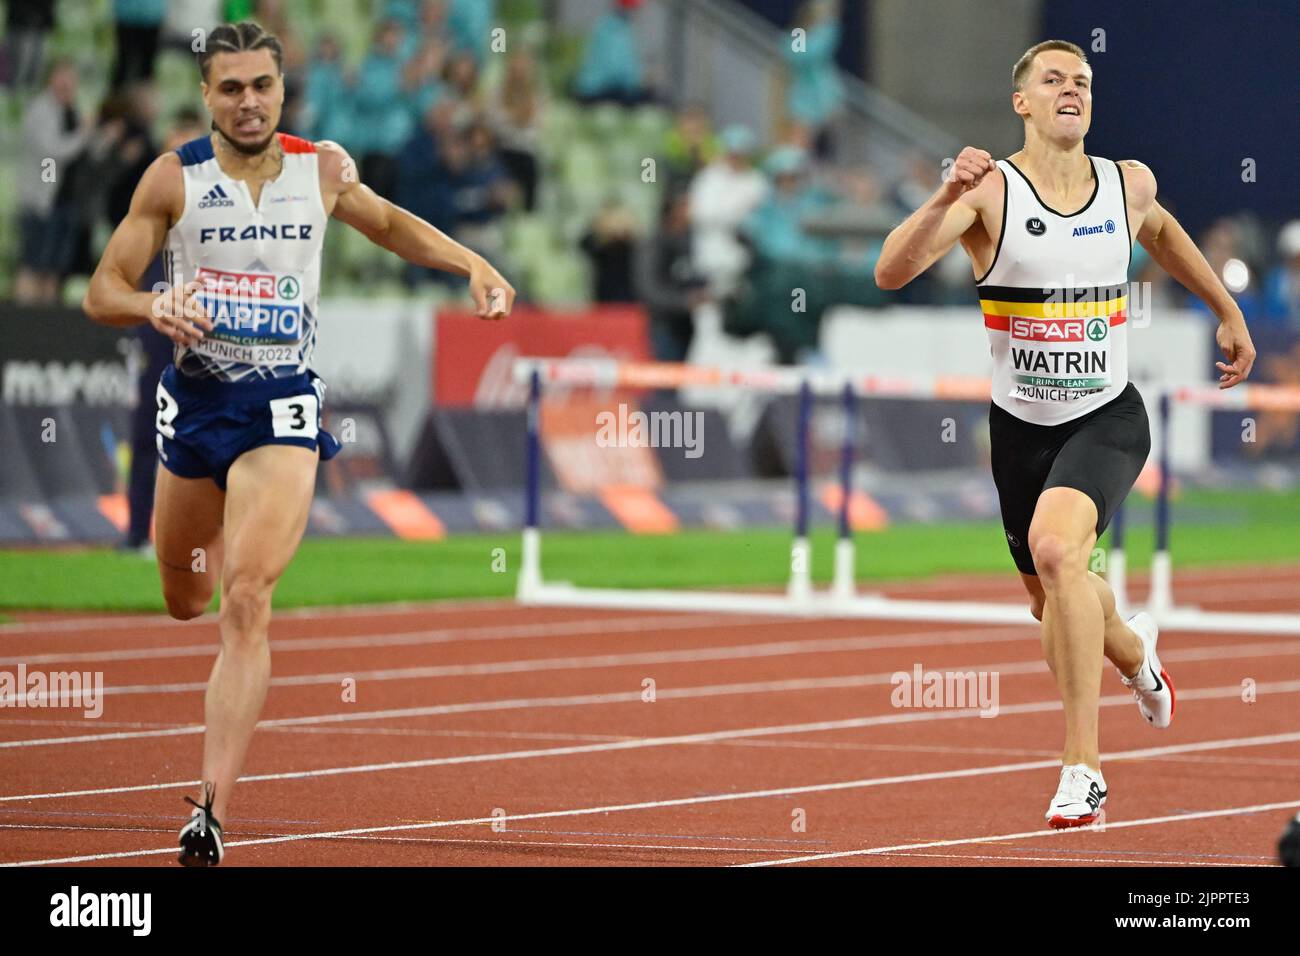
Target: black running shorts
[{"x": 1100, "y": 453}]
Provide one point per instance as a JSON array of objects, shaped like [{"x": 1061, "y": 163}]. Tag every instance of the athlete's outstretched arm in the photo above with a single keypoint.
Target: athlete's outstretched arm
[
  {"x": 1171, "y": 247},
  {"x": 925, "y": 237},
  {"x": 406, "y": 234},
  {"x": 112, "y": 297}
]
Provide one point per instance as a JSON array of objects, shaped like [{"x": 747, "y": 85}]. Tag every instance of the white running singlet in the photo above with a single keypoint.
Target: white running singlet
[
  {"x": 259, "y": 264},
  {"x": 1055, "y": 300}
]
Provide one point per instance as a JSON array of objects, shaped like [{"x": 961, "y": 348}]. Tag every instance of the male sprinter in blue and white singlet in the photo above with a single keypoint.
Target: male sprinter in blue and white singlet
[
  {"x": 1050, "y": 233},
  {"x": 240, "y": 217}
]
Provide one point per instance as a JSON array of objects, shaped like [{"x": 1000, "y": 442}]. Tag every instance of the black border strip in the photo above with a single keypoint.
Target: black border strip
[{"x": 1008, "y": 293}]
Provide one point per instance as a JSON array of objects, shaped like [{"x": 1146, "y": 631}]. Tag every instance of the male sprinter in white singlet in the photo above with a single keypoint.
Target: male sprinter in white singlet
[
  {"x": 241, "y": 215},
  {"x": 1050, "y": 232}
]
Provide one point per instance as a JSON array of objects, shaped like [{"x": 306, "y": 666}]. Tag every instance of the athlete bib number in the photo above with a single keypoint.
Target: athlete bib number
[
  {"x": 165, "y": 420},
  {"x": 1054, "y": 360},
  {"x": 294, "y": 417}
]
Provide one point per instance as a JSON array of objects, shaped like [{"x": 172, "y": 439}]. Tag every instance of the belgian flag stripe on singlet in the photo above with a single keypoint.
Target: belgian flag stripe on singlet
[
  {"x": 1000, "y": 303},
  {"x": 1007, "y": 293}
]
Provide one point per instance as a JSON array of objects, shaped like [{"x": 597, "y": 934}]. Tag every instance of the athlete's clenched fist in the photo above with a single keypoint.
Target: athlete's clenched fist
[
  {"x": 967, "y": 171},
  {"x": 178, "y": 314}
]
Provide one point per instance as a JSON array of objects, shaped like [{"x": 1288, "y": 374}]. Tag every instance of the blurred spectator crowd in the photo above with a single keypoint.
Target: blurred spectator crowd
[{"x": 484, "y": 133}]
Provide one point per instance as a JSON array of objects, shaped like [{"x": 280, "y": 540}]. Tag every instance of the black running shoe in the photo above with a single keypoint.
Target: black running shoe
[
  {"x": 1288, "y": 848},
  {"x": 201, "y": 838}
]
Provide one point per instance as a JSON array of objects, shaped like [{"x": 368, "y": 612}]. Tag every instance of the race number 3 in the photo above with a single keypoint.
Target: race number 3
[
  {"x": 294, "y": 417},
  {"x": 167, "y": 412}
]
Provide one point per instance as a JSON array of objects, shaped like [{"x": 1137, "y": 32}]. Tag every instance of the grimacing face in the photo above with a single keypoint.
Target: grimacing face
[
  {"x": 1056, "y": 97},
  {"x": 244, "y": 92}
]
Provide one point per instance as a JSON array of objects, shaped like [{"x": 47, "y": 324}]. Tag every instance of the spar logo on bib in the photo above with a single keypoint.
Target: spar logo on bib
[
  {"x": 1059, "y": 353},
  {"x": 1047, "y": 330},
  {"x": 244, "y": 309}
]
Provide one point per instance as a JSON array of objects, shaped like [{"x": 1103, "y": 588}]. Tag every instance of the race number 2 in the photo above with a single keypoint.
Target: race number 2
[
  {"x": 167, "y": 412},
  {"x": 294, "y": 417}
]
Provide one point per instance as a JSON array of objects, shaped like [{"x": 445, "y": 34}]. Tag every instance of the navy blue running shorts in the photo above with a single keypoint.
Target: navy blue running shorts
[{"x": 204, "y": 424}]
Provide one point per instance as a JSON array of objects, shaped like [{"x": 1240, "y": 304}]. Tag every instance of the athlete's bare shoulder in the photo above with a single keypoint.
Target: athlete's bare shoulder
[
  {"x": 1139, "y": 182},
  {"x": 161, "y": 190},
  {"x": 338, "y": 170}
]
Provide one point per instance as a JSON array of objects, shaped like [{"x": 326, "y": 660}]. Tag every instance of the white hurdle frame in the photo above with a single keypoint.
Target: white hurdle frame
[{"x": 841, "y": 599}]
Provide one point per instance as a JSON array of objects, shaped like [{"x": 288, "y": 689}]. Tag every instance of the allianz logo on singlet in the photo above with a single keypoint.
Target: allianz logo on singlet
[{"x": 1107, "y": 227}]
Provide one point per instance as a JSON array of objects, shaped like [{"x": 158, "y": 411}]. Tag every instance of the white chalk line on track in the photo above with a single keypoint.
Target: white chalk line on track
[
  {"x": 723, "y": 652},
  {"x": 1030, "y": 834},
  {"x": 1123, "y": 861},
  {"x": 467, "y": 841},
  {"x": 707, "y": 737},
  {"x": 416, "y": 638},
  {"x": 113, "y": 621},
  {"x": 1265, "y": 740},
  {"x": 794, "y": 684},
  {"x": 1004, "y": 632}
]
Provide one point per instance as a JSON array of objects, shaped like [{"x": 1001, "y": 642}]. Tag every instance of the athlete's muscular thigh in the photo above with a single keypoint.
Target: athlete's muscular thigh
[
  {"x": 268, "y": 497},
  {"x": 187, "y": 535}
]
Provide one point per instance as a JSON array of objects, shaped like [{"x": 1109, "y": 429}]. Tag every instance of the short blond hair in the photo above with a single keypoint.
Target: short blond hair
[{"x": 1026, "y": 62}]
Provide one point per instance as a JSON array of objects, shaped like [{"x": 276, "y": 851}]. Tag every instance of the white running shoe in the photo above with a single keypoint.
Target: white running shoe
[
  {"x": 1078, "y": 799},
  {"x": 1151, "y": 686}
]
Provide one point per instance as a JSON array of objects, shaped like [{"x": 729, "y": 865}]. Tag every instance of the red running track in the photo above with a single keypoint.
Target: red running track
[{"x": 489, "y": 734}]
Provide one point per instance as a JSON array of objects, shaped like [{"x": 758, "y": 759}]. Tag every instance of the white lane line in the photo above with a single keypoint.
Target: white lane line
[
  {"x": 577, "y": 700},
  {"x": 758, "y": 687},
  {"x": 487, "y": 844},
  {"x": 468, "y": 841},
  {"x": 1076, "y": 859},
  {"x": 689, "y": 656},
  {"x": 725, "y": 652},
  {"x": 1030, "y": 834},
  {"x": 1260, "y": 741},
  {"x": 126, "y": 621},
  {"x": 903, "y": 717},
  {"x": 445, "y": 635}
]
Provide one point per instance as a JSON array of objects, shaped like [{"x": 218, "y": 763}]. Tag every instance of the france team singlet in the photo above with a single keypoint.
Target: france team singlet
[
  {"x": 1055, "y": 300},
  {"x": 259, "y": 264}
]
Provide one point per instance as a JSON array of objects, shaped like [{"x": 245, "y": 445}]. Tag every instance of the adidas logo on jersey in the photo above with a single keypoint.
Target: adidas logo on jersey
[{"x": 216, "y": 197}]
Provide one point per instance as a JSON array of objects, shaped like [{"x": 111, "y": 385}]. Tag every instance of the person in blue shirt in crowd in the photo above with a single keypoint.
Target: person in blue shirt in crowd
[
  {"x": 787, "y": 256},
  {"x": 611, "y": 68},
  {"x": 449, "y": 174},
  {"x": 329, "y": 96},
  {"x": 422, "y": 76},
  {"x": 1282, "y": 287},
  {"x": 467, "y": 24},
  {"x": 470, "y": 24},
  {"x": 379, "y": 102},
  {"x": 816, "y": 93},
  {"x": 775, "y": 228}
]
